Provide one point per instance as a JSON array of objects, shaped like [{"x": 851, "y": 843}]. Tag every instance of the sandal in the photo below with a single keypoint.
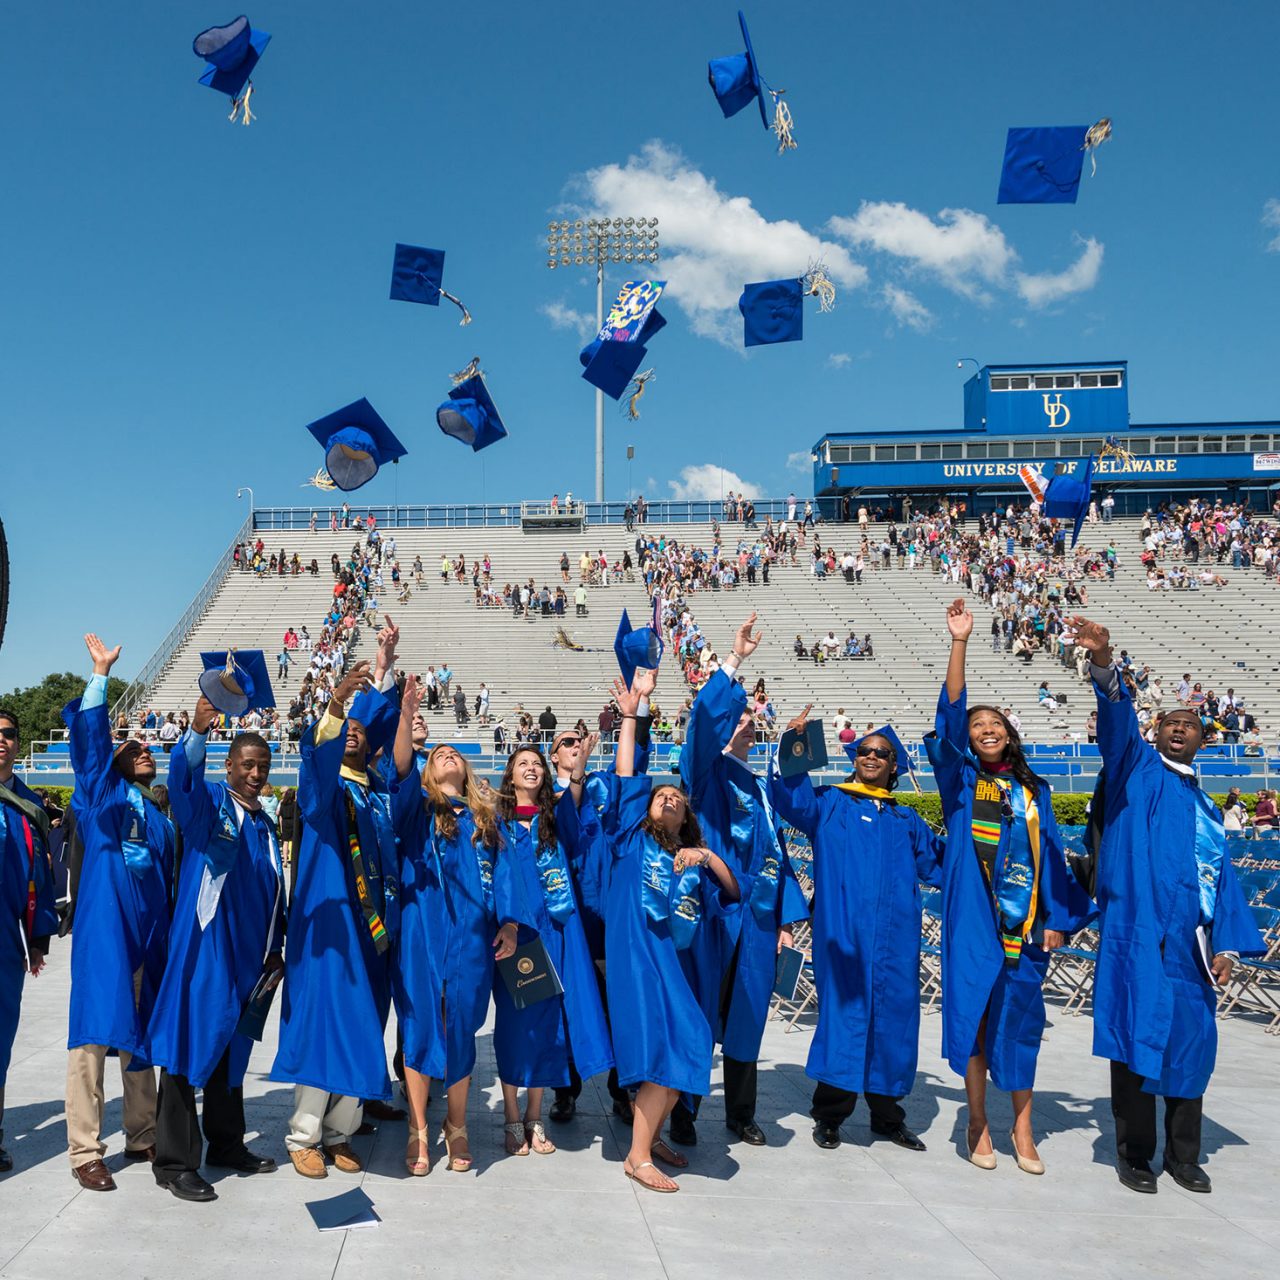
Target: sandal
[
  {"x": 634, "y": 1175},
  {"x": 417, "y": 1165},
  {"x": 537, "y": 1138},
  {"x": 514, "y": 1139},
  {"x": 662, "y": 1152},
  {"x": 453, "y": 1133}
]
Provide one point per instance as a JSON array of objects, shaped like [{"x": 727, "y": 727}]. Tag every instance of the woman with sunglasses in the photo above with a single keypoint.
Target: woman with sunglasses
[
  {"x": 1008, "y": 899},
  {"x": 533, "y": 1044},
  {"x": 457, "y": 916},
  {"x": 663, "y": 888}
]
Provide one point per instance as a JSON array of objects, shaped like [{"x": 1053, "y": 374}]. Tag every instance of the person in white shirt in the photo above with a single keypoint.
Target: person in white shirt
[{"x": 829, "y": 644}]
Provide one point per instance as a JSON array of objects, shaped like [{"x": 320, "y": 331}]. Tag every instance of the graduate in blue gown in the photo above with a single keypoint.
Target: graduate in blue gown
[
  {"x": 343, "y": 920},
  {"x": 664, "y": 887},
  {"x": 869, "y": 856},
  {"x": 122, "y": 908},
  {"x": 734, "y": 811},
  {"x": 28, "y": 915},
  {"x": 227, "y": 931},
  {"x": 535, "y": 1046},
  {"x": 1008, "y": 900},
  {"x": 1173, "y": 917},
  {"x": 456, "y": 917}
]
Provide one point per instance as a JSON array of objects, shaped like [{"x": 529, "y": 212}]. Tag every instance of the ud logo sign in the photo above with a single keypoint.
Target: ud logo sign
[{"x": 1057, "y": 412}]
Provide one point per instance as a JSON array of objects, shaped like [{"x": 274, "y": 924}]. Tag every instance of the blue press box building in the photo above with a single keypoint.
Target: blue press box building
[{"x": 1046, "y": 415}]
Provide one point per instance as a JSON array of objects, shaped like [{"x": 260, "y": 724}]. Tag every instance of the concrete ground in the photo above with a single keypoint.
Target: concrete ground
[{"x": 786, "y": 1209}]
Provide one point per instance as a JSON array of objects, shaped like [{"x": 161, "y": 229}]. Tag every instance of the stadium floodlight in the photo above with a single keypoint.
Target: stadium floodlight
[
  {"x": 593, "y": 242},
  {"x": 961, "y": 363},
  {"x": 241, "y": 492}
]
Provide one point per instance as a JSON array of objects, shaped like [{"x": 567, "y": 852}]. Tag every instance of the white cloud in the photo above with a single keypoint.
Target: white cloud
[
  {"x": 839, "y": 360},
  {"x": 1271, "y": 219},
  {"x": 1041, "y": 290},
  {"x": 801, "y": 460},
  {"x": 710, "y": 483},
  {"x": 565, "y": 317},
  {"x": 907, "y": 309},
  {"x": 711, "y": 242}
]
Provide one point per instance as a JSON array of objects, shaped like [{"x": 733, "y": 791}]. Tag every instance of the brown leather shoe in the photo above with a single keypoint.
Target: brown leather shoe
[
  {"x": 143, "y": 1153},
  {"x": 309, "y": 1162},
  {"x": 94, "y": 1176},
  {"x": 344, "y": 1158}
]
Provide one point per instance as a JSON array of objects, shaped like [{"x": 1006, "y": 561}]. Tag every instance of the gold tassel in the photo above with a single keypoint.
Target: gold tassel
[
  {"x": 562, "y": 641},
  {"x": 457, "y": 302},
  {"x": 242, "y": 104},
  {"x": 469, "y": 372},
  {"x": 817, "y": 284},
  {"x": 1093, "y": 139},
  {"x": 782, "y": 122},
  {"x": 639, "y": 382},
  {"x": 321, "y": 480},
  {"x": 1114, "y": 449}
]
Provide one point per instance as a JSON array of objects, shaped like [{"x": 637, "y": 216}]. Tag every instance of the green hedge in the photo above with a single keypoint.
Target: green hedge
[{"x": 1070, "y": 808}]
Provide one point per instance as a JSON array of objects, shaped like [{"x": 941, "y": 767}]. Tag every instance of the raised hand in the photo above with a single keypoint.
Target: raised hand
[
  {"x": 411, "y": 697},
  {"x": 1094, "y": 637},
  {"x": 627, "y": 699},
  {"x": 645, "y": 683},
  {"x": 357, "y": 679},
  {"x": 959, "y": 620},
  {"x": 744, "y": 643},
  {"x": 798, "y": 722},
  {"x": 388, "y": 639},
  {"x": 205, "y": 715},
  {"x": 691, "y": 856},
  {"x": 589, "y": 745},
  {"x": 103, "y": 658}
]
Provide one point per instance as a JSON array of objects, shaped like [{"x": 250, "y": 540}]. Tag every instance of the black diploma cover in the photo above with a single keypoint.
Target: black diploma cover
[{"x": 529, "y": 974}]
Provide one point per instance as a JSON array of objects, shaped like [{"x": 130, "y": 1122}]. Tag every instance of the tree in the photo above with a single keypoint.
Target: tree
[{"x": 39, "y": 707}]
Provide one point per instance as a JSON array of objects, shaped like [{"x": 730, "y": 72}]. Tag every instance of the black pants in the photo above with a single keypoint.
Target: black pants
[
  {"x": 178, "y": 1145},
  {"x": 574, "y": 1090},
  {"x": 1135, "y": 1115},
  {"x": 739, "y": 1095},
  {"x": 834, "y": 1106}
]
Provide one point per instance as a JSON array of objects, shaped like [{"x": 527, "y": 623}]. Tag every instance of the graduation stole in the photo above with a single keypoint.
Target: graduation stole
[
  {"x": 1210, "y": 849},
  {"x": 1014, "y": 881},
  {"x": 553, "y": 873},
  {"x": 356, "y": 802},
  {"x": 742, "y": 831},
  {"x": 861, "y": 789},
  {"x": 484, "y": 859},
  {"x": 31, "y": 815},
  {"x": 220, "y": 853},
  {"x": 656, "y": 893},
  {"x": 138, "y": 856}
]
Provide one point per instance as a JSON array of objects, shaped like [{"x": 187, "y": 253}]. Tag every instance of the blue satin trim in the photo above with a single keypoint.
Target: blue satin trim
[
  {"x": 678, "y": 903},
  {"x": 1211, "y": 846},
  {"x": 1015, "y": 878},
  {"x": 133, "y": 843},
  {"x": 553, "y": 872}
]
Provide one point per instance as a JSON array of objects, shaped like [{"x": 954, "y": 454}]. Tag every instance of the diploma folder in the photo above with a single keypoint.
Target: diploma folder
[
  {"x": 802, "y": 752},
  {"x": 530, "y": 976},
  {"x": 351, "y": 1211},
  {"x": 786, "y": 978},
  {"x": 253, "y": 1017}
]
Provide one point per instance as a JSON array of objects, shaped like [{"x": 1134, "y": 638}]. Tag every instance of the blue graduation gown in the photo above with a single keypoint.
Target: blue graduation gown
[
  {"x": 442, "y": 973},
  {"x": 337, "y": 988},
  {"x": 975, "y": 978},
  {"x": 122, "y": 912},
  {"x": 1152, "y": 1008},
  {"x": 16, "y": 872},
  {"x": 212, "y": 971},
  {"x": 534, "y": 1046},
  {"x": 662, "y": 1028},
  {"x": 734, "y": 812},
  {"x": 868, "y": 862}
]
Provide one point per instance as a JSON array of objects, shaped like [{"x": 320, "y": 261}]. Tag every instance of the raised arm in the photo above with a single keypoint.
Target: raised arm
[
  {"x": 88, "y": 728},
  {"x": 720, "y": 871},
  {"x": 402, "y": 751},
  {"x": 189, "y": 797},
  {"x": 960, "y": 627},
  {"x": 795, "y": 798},
  {"x": 628, "y": 700},
  {"x": 1119, "y": 739},
  {"x": 324, "y": 746}
]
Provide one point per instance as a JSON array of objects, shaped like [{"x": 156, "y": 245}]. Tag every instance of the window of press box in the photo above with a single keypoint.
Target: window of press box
[
  {"x": 1044, "y": 381},
  {"x": 1166, "y": 444},
  {"x": 1211, "y": 444},
  {"x": 997, "y": 450},
  {"x": 1259, "y": 444},
  {"x": 904, "y": 453},
  {"x": 1108, "y": 379},
  {"x": 1137, "y": 444},
  {"x": 930, "y": 452},
  {"x": 884, "y": 453},
  {"x": 952, "y": 451},
  {"x": 1069, "y": 448},
  {"x": 860, "y": 453},
  {"x": 1189, "y": 444},
  {"x": 1234, "y": 444},
  {"x": 1045, "y": 449},
  {"x": 975, "y": 451}
]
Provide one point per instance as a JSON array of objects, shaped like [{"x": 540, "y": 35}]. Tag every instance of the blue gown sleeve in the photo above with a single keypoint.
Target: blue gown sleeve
[
  {"x": 509, "y": 897},
  {"x": 946, "y": 746},
  {"x": 715, "y": 715},
  {"x": 1119, "y": 740},
  {"x": 793, "y": 905},
  {"x": 928, "y": 848},
  {"x": 90, "y": 741},
  {"x": 1064, "y": 905},
  {"x": 795, "y": 800},
  {"x": 189, "y": 796},
  {"x": 628, "y": 805},
  {"x": 1233, "y": 924},
  {"x": 318, "y": 776},
  {"x": 951, "y": 719}
]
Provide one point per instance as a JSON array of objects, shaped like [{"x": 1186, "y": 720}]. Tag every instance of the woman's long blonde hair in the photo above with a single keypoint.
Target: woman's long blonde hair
[{"x": 439, "y": 806}]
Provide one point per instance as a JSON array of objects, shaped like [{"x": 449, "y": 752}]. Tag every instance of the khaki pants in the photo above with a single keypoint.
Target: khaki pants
[
  {"x": 86, "y": 1067},
  {"x": 319, "y": 1116}
]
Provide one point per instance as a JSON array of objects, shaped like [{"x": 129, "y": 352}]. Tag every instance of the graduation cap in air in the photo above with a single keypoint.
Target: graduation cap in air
[
  {"x": 611, "y": 359},
  {"x": 887, "y": 733},
  {"x": 636, "y": 649},
  {"x": 356, "y": 443},
  {"x": 470, "y": 415},
  {"x": 379, "y": 715},
  {"x": 736, "y": 81},
  {"x": 1043, "y": 165},
  {"x": 772, "y": 311},
  {"x": 236, "y": 681},
  {"x": 1066, "y": 497},
  {"x": 417, "y": 275},
  {"x": 231, "y": 52}
]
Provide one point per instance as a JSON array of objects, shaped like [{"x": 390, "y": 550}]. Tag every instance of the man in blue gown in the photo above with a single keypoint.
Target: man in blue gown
[
  {"x": 28, "y": 916},
  {"x": 227, "y": 932},
  {"x": 869, "y": 856},
  {"x": 1173, "y": 918},
  {"x": 343, "y": 922},
  {"x": 738, "y": 824},
  {"x": 121, "y": 941}
]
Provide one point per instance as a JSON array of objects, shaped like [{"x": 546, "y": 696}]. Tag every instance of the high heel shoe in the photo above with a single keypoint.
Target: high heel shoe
[
  {"x": 451, "y": 1133},
  {"x": 1025, "y": 1164},
  {"x": 987, "y": 1160},
  {"x": 418, "y": 1166}
]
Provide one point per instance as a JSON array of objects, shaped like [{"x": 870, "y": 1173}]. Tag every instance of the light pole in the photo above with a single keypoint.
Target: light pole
[
  {"x": 595, "y": 242},
  {"x": 963, "y": 359},
  {"x": 240, "y": 494}
]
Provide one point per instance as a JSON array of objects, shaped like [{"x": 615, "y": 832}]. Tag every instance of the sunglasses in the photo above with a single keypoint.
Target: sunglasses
[
  {"x": 8, "y": 733},
  {"x": 568, "y": 741},
  {"x": 880, "y": 753}
]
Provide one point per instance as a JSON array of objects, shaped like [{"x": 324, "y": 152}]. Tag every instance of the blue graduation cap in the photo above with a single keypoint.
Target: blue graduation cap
[
  {"x": 1042, "y": 165},
  {"x": 378, "y": 713},
  {"x": 470, "y": 415},
  {"x": 1067, "y": 497},
  {"x": 736, "y": 80},
  {"x": 232, "y": 52},
  {"x": 639, "y": 648},
  {"x": 611, "y": 363},
  {"x": 887, "y": 733},
  {"x": 417, "y": 275},
  {"x": 356, "y": 443},
  {"x": 772, "y": 311},
  {"x": 236, "y": 681}
]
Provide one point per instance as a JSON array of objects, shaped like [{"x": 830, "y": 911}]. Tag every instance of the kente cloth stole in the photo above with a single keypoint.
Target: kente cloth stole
[
  {"x": 368, "y": 904},
  {"x": 1001, "y": 805}
]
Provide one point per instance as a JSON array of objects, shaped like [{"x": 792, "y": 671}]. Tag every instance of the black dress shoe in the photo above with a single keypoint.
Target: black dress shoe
[
  {"x": 624, "y": 1110},
  {"x": 562, "y": 1110},
  {"x": 6, "y": 1161},
  {"x": 1190, "y": 1176},
  {"x": 750, "y": 1132},
  {"x": 902, "y": 1136},
  {"x": 189, "y": 1185},
  {"x": 827, "y": 1136},
  {"x": 683, "y": 1131},
  {"x": 375, "y": 1109},
  {"x": 1136, "y": 1175},
  {"x": 246, "y": 1162}
]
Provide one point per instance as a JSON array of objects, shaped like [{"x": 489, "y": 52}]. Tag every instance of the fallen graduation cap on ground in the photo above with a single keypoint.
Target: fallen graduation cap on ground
[
  {"x": 1042, "y": 165},
  {"x": 231, "y": 52},
  {"x": 417, "y": 275},
  {"x": 351, "y": 1211},
  {"x": 356, "y": 443}
]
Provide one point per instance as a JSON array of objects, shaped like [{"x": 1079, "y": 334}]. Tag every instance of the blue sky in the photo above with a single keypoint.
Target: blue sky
[{"x": 180, "y": 296}]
